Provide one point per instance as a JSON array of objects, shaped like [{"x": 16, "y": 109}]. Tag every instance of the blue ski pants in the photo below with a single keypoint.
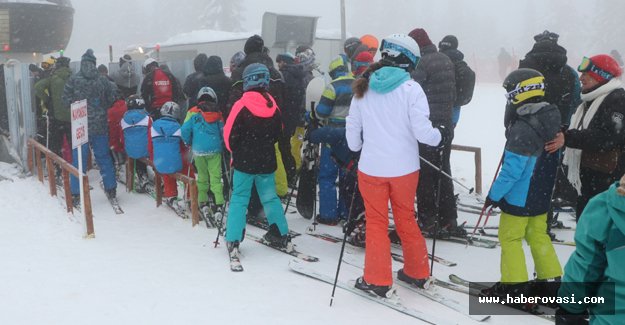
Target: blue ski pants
[
  {"x": 241, "y": 193},
  {"x": 100, "y": 146},
  {"x": 329, "y": 207}
]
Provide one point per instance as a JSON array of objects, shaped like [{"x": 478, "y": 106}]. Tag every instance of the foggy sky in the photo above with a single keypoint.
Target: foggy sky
[{"x": 482, "y": 26}]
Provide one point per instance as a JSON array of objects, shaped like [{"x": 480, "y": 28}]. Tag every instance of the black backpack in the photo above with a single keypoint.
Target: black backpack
[{"x": 465, "y": 83}]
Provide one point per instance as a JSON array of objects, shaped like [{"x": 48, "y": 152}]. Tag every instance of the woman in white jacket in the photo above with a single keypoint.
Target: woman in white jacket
[{"x": 388, "y": 118}]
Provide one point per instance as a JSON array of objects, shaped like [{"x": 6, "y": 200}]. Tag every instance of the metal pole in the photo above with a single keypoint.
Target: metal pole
[{"x": 343, "y": 23}]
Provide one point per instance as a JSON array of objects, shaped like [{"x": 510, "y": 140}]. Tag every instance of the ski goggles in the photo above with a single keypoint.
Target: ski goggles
[{"x": 588, "y": 66}]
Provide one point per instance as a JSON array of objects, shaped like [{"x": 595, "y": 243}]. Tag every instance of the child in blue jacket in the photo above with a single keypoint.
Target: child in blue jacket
[
  {"x": 203, "y": 131},
  {"x": 135, "y": 125}
]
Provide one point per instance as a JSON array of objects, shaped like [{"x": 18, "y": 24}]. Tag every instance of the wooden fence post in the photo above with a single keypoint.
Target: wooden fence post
[
  {"x": 68, "y": 192},
  {"x": 87, "y": 207},
  {"x": 195, "y": 217},
  {"x": 51, "y": 175},
  {"x": 30, "y": 157},
  {"x": 39, "y": 167}
]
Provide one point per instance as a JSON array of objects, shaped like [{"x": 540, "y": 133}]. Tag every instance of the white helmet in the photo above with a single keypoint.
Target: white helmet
[
  {"x": 147, "y": 62},
  {"x": 401, "y": 50},
  {"x": 170, "y": 109}
]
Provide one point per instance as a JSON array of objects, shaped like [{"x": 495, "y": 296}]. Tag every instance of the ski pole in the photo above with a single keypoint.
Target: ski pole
[
  {"x": 223, "y": 213},
  {"x": 349, "y": 219},
  {"x": 484, "y": 207},
  {"x": 438, "y": 210},
  {"x": 288, "y": 199},
  {"x": 440, "y": 170}
]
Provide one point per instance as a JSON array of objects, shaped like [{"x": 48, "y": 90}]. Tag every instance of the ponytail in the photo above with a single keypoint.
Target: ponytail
[{"x": 361, "y": 85}]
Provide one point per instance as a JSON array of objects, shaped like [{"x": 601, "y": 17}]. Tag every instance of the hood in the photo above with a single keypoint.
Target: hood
[
  {"x": 453, "y": 54},
  {"x": 212, "y": 117},
  {"x": 88, "y": 69},
  {"x": 199, "y": 62},
  {"x": 386, "y": 79},
  {"x": 616, "y": 207},
  {"x": 428, "y": 49},
  {"x": 546, "y": 56},
  {"x": 126, "y": 71},
  {"x": 547, "y": 116},
  {"x": 206, "y": 106},
  {"x": 257, "y": 104},
  {"x": 295, "y": 70},
  {"x": 213, "y": 65},
  {"x": 63, "y": 72}
]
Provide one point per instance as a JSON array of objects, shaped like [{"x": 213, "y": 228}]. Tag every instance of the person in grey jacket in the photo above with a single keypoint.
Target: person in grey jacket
[
  {"x": 126, "y": 78},
  {"x": 100, "y": 94},
  {"x": 436, "y": 75}
]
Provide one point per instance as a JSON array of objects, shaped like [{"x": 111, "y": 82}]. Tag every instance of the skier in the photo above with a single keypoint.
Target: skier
[
  {"x": 50, "y": 91},
  {"x": 193, "y": 82},
  {"x": 332, "y": 109},
  {"x": 523, "y": 187},
  {"x": 203, "y": 131},
  {"x": 215, "y": 78},
  {"x": 388, "y": 117},
  {"x": 596, "y": 265},
  {"x": 251, "y": 131},
  {"x": 436, "y": 74},
  {"x": 464, "y": 76},
  {"x": 126, "y": 78},
  {"x": 158, "y": 87},
  {"x": 100, "y": 94},
  {"x": 135, "y": 125},
  {"x": 115, "y": 115},
  {"x": 292, "y": 108},
  {"x": 168, "y": 152},
  {"x": 351, "y": 48},
  {"x": 595, "y": 137},
  {"x": 236, "y": 60}
]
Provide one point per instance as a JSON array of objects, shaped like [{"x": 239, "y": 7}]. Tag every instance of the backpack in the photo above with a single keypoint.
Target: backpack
[
  {"x": 135, "y": 128},
  {"x": 465, "y": 83},
  {"x": 166, "y": 140}
]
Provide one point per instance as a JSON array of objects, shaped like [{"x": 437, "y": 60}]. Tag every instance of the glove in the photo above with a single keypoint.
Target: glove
[
  {"x": 444, "y": 135},
  {"x": 490, "y": 204},
  {"x": 564, "y": 317}
]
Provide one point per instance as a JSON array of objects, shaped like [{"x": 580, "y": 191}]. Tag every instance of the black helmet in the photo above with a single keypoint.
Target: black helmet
[
  {"x": 135, "y": 102},
  {"x": 524, "y": 85}
]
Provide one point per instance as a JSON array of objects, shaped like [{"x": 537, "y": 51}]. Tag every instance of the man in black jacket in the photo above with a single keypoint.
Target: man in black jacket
[
  {"x": 292, "y": 107},
  {"x": 435, "y": 73},
  {"x": 215, "y": 78},
  {"x": 192, "y": 84},
  {"x": 465, "y": 77}
]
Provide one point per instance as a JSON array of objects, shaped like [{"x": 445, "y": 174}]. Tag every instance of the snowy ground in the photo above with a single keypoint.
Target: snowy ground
[{"x": 150, "y": 267}]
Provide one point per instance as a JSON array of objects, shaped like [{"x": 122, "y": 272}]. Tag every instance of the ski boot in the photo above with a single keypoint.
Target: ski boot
[
  {"x": 381, "y": 291},
  {"x": 503, "y": 290},
  {"x": 419, "y": 283},
  {"x": 76, "y": 200},
  {"x": 141, "y": 183},
  {"x": 545, "y": 288},
  {"x": 111, "y": 195},
  {"x": 274, "y": 238}
]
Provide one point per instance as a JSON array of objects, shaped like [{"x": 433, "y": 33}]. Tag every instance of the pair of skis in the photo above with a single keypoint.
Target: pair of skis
[{"x": 394, "y": 302}]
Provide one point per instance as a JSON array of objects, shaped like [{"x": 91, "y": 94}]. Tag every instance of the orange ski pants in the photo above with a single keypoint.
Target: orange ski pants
[{"x": 376, "y": 193}]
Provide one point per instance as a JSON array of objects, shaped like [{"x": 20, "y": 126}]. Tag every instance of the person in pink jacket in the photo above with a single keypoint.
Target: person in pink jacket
[{"x": 388, "y": 118}]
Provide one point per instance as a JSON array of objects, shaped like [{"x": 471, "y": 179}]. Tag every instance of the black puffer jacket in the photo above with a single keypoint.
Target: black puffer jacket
[
  {"x": 436, "y": 74},
  {"x": 276, "y": 86},
  {"x": 549, "y": 58},
  {"x": 294, "y": 92},
  {"x": 192, "y": 83},
  {"x": 215, "y": 78}
]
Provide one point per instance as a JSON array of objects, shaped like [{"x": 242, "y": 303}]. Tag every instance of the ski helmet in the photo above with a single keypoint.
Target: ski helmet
[
  {"x": 135, "y": 102},
  {"x": 524, "y": 84},
  {"x": 255, "y": 75},
  {"x": 170, "y": 109},
  {"x": 350, "y": 45},
  {"x": 207, "y": 93},
  {"x": 148, "y": 62},
  {"x": 401, "y": 50}
]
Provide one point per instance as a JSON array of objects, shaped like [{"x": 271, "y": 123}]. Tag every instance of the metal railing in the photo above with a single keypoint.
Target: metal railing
[
  {"x": 35, "y": 151},
  {"x": 158, "y": 181}
]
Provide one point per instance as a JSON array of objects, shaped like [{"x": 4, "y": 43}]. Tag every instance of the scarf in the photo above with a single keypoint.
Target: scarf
[{"x": 580, "y": 121}]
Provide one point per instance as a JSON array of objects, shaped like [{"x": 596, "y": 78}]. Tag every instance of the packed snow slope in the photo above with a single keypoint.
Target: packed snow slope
[{"x": 148, "y": 266}]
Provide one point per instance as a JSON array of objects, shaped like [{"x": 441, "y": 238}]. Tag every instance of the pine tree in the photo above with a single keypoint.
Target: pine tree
[{"x": 225, "y": 15}]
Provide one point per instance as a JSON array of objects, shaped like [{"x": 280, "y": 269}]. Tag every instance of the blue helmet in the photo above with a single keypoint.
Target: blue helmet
[{"x": 255, "y": 75}]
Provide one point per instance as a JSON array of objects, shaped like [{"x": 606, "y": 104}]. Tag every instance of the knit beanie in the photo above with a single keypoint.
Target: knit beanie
[
  {"x": 254, "y": 44},
  {"x": 421, "y": 37},
  {"x": 448, "y": 42},
  {"x": 89, "y": 56}
]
